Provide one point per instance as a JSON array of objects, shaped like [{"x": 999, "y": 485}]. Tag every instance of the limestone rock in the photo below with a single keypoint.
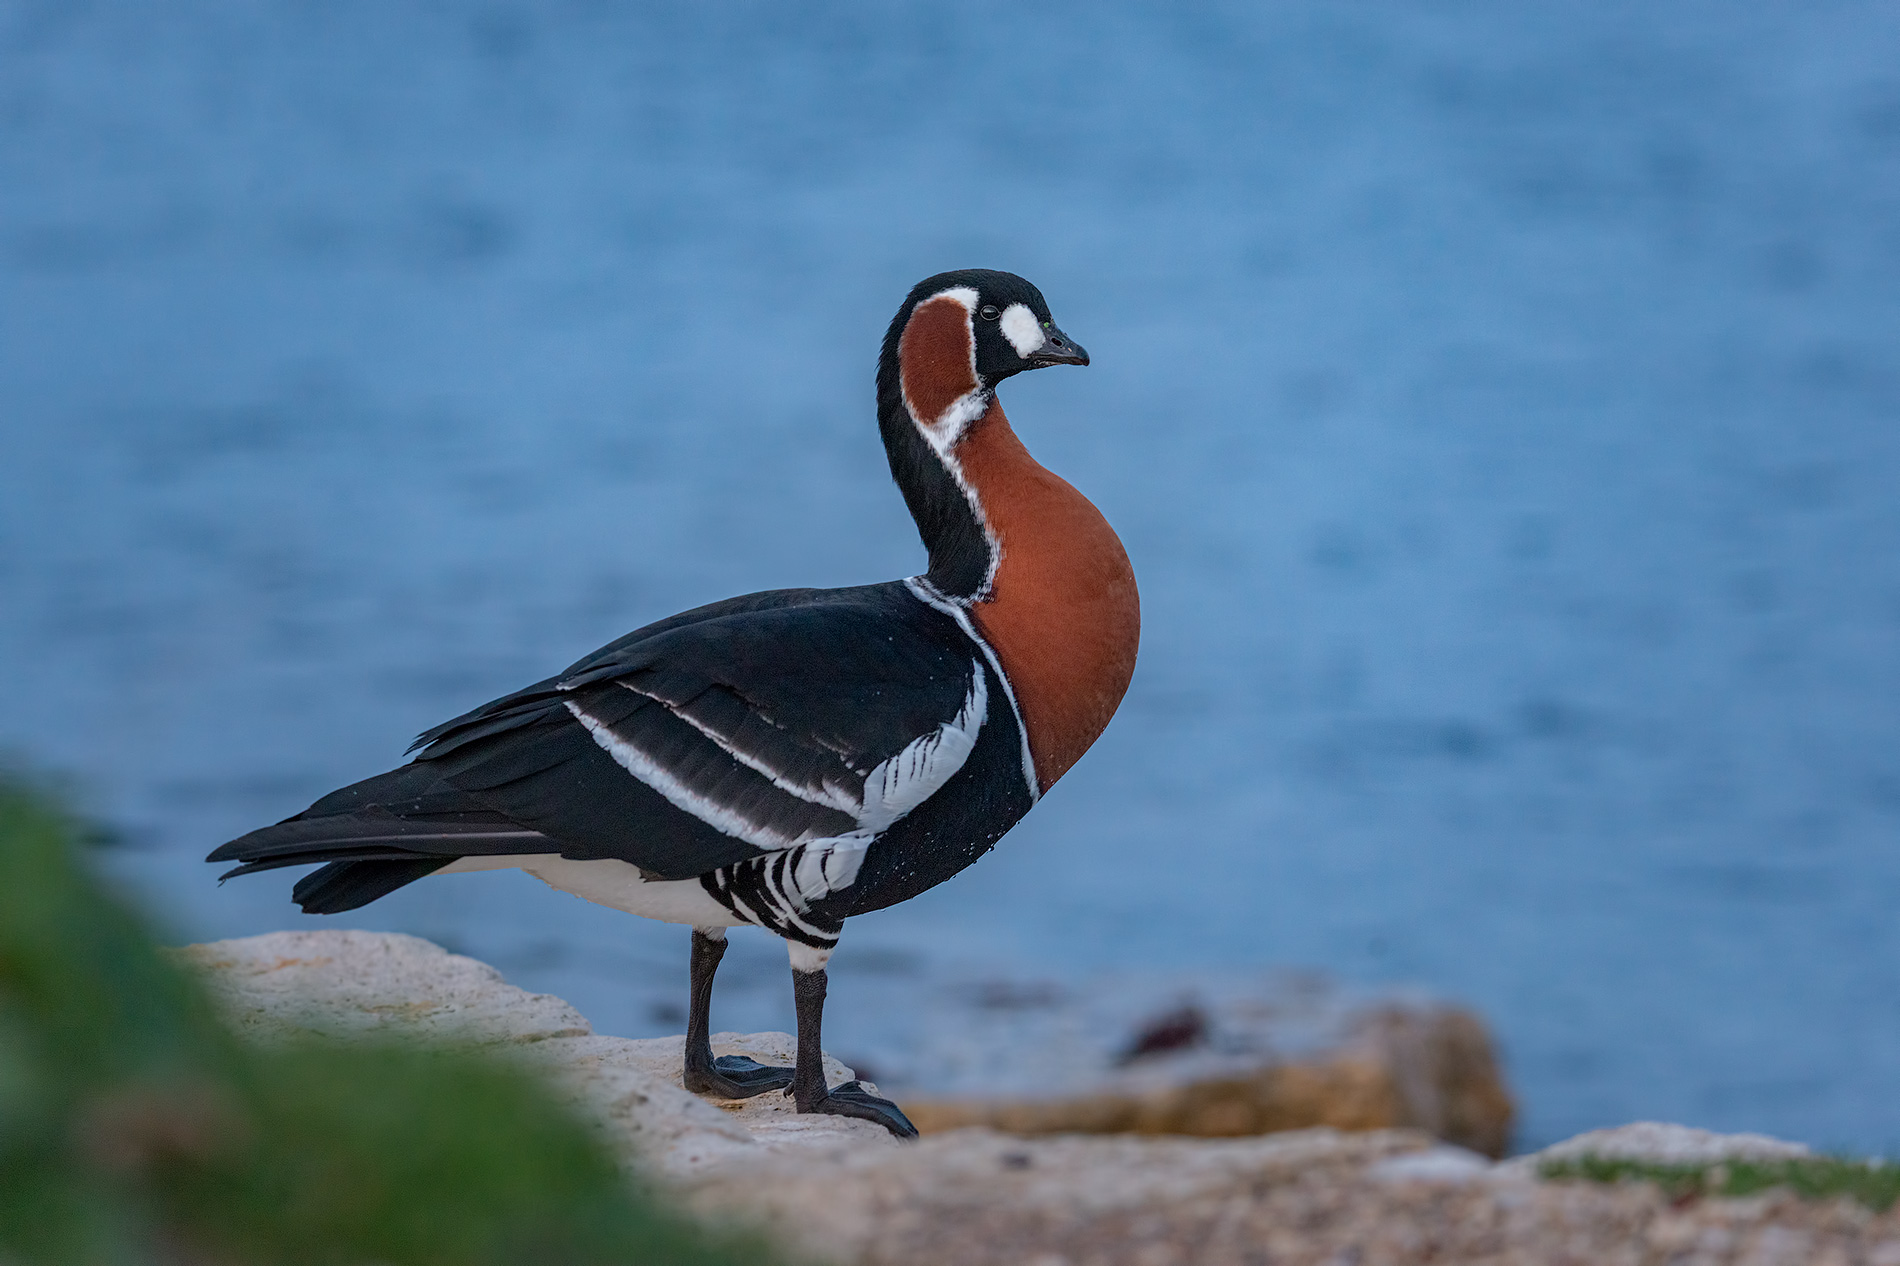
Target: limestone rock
[
  {"x": 843, "y": 1191},
  {"x": 977, "y": 1196},
  {"x": 364, "y": 984},
  {"x": 1664, "y": 1144},
  {"x": 344, "y": 984},
  {"x": 1303, "y": 1198}
]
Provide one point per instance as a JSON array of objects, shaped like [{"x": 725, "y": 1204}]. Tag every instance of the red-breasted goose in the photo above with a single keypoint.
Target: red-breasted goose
[{"x": 791, "y": 758}]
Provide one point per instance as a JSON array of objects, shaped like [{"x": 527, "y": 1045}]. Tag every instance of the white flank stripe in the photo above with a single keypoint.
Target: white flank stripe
[
  {"x": 926, "y": 593},
  {"x": 842, "y": 861},
  {"x": 830, "y": 865},
  {"x": 677, "y": 793},
  {"x": 791, "y": 917},
  {"x": 742, "y": 906},
  {"x": 772, "y": 879},
  {"x": 896, "y": 786},
  {"x": 830, "y": 795}
]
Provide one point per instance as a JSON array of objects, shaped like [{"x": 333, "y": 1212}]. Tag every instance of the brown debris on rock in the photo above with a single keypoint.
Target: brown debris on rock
[{"x": 1255, "y": 1063}]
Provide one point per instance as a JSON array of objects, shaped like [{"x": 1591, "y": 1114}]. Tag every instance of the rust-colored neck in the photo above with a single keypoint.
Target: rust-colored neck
[{"x": 1063, "y": 613}]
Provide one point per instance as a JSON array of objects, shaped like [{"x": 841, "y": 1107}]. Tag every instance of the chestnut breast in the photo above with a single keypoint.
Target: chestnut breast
[{"x": 1063, "y": 614}]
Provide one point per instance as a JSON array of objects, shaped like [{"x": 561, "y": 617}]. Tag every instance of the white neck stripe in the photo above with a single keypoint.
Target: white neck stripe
[
  {"x": 928, "y": 594},
  {"x": 943, "y": 431}
]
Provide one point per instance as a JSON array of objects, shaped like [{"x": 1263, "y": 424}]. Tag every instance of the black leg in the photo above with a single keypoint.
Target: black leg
[
  {"x": 729, "y": 1076},
  {"x": 808, "y": 1081}
]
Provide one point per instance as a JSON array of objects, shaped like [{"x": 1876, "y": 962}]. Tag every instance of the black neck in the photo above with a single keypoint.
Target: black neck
[{"x": 959, "y": 548}]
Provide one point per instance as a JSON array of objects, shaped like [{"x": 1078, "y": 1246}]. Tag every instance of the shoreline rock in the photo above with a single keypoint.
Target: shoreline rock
[
  {"x": 1218, "y": 1054},
  {"x": 356, "y": 985},
  {"x": 844, "y": 1191},
  {"x": 1422, "y": 1066}
]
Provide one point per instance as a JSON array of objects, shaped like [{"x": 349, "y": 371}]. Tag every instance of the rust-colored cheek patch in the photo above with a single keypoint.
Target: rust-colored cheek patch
[
  {"x": 1063, "y": 613},
  {"x": 934, "y": 356}
]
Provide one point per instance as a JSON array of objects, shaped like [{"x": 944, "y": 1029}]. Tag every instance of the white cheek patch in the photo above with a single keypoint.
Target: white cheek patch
[{"x": 1022, "y": 330}]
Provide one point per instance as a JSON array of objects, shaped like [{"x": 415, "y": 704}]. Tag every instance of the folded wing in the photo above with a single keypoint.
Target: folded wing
[{"x": 824, "y": 716}]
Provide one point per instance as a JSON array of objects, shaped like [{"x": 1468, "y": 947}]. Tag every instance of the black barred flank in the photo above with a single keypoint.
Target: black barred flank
[{"x": 762, "y": 892}]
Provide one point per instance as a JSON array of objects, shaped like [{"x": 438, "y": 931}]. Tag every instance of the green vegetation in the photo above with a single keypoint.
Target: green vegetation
[
  {"x": 1875, "y": 1184},
  {"x": 134, "y": 1129}
]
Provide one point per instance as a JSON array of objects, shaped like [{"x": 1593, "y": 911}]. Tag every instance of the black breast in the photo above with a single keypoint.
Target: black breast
[{"x": 954, "y": 827}]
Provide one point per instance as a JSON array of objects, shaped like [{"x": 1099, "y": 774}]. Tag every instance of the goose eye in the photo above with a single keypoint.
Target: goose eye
[{"x": 988, "y": 312}]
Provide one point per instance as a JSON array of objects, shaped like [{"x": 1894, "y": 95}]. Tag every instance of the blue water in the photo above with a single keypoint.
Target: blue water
[{"x": 1499, "y": 403}]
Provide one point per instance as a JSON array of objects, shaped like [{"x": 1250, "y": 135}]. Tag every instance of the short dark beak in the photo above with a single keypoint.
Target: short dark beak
[{"x": 1057, "y": 349}]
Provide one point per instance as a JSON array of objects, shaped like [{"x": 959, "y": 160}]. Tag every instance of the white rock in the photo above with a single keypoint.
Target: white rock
[
  {"x": 360, "y": 984},
  {"x": 1441, "y": 1164},
  {"x": 1663, "y": 1144},
  {"x": 344, "y": 984},
  {"x": 843, "y": 1190},
  {"x": 1655, "y": 1142},
  {"x": 633, "y": 1086},
  {"x": 842, "y": 1205}
]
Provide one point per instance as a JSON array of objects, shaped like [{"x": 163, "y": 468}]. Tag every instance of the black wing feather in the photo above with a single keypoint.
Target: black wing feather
[
  {"x": 815, "y": 692},
  {"x": 807, "y": 764},
  {"x": 554, "y": 778},
  {"x": 737, "y": 727},
  {"x": 521, "y": 705},
  {"x": 705, "y": 768}
]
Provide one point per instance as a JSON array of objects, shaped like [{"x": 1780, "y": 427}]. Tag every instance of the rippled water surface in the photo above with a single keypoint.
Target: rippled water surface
[{"x": 1498, "y": 401}]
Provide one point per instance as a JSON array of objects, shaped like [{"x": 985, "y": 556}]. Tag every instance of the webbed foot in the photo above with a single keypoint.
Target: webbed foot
[
  {"x": 736, "y": 1077},
  {"x": 853, "y": 1100}
]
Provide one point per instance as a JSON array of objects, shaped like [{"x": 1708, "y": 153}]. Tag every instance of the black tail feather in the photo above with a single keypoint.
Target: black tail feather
[
  {"x": 344, "y": 886},
  {"x": 314, "y": 857},
  {"x": 375, "y": 836},
  {"x": 380, "y": 832}
]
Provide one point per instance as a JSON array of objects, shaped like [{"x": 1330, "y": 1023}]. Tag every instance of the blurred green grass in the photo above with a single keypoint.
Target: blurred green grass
[
  {"x": 133, "y": 1128},
  {"x": 1875, "y": 1184}
]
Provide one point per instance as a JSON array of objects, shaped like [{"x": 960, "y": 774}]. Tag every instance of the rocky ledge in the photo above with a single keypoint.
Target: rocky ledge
[
  {"x": 845, "y": 1191},
  {"x": 1211, "y": 1056}
]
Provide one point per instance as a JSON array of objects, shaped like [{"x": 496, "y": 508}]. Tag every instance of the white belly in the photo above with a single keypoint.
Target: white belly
[{"x": 614, "y": 884}]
